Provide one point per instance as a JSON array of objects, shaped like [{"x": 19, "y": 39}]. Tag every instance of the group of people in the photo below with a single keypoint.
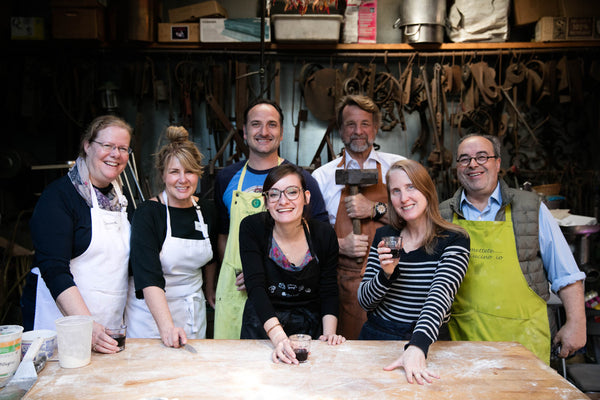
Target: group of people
[{"x": 475, "y": 267}]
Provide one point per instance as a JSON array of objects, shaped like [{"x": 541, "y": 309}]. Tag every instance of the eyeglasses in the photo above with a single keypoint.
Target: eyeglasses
[
  {"x": 291, "y": 192},
  {"x": 109, "y": 147},
  {"x": 481, "y": 159}
]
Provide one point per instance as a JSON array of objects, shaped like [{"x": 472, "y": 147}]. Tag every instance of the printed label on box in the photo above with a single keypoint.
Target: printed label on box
[
  {"x": 180, "y": 33},
  {"x": 367, "y": 22}
]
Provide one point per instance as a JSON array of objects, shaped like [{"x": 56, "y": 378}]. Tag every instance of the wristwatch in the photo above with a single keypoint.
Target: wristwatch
[{"x": 379, "y": 210}]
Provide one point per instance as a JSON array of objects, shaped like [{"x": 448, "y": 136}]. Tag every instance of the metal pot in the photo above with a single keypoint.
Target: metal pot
[
  {"x": 423, "y": 33},
  {"x": 422, "y": 21}
]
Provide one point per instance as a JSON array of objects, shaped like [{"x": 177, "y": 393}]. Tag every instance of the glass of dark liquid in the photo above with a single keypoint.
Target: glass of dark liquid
[
  {"x": 395, "y": 245},
  {"x": 119, "y": 334},
  {"x": 301, "y": 345}
]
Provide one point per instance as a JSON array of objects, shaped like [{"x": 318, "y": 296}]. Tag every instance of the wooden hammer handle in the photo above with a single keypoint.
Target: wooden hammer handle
[{"x": 356, "y": 228}]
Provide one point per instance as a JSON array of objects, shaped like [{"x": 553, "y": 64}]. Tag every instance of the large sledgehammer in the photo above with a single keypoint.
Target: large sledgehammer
[{"x": 354, "y": 178}]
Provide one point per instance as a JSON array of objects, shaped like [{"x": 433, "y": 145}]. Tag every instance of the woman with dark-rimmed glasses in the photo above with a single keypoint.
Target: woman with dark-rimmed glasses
[{"x": 289, "y": 265}]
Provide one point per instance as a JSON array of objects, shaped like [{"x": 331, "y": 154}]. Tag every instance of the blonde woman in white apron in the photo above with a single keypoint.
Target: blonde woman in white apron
[
  {"x": 171, "y": 251},
  {"x": 81, "y": 232}
]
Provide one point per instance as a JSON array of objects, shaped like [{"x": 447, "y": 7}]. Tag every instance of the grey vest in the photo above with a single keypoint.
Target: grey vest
[{"x": 525, "y": 208}]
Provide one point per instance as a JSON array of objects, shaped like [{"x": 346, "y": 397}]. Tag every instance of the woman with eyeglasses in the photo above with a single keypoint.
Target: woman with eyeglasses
[
  {"x": 173, "y": 238},
  {"x": 289, "y": 264},
  {"x": 80, "y": 232},
  {"x": 409, "y": 298}
]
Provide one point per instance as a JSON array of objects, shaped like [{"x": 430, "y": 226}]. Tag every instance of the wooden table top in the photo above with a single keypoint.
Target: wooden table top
[{"x": 242, "y": 369}]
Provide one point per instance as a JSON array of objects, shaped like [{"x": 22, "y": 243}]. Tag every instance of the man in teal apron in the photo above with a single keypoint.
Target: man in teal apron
[
  {"x": 516, "y": 248},
  {"x": 238, "y": 193}
]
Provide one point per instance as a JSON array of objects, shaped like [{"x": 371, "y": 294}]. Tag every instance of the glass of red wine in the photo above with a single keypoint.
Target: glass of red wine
[
  {"x": 395, "y": 245},
  {"x": 301, "y": 346},
  {"x": 119, "y": 334}
]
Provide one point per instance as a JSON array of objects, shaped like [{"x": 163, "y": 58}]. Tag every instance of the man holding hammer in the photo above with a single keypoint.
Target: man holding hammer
[{"x": 357, "y": 202}]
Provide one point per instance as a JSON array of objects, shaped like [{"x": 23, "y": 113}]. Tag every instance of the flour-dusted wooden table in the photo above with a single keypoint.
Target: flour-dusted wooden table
[{"x": 242, "y": 369}]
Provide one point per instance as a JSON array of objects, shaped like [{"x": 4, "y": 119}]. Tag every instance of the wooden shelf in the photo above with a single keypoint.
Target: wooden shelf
[
  {"x": 392, "y": 49},
  {"x": 399, "y": 49}
]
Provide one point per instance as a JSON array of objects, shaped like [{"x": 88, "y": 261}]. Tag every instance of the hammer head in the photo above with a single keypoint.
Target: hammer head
[{"x": 355, "y": 176}]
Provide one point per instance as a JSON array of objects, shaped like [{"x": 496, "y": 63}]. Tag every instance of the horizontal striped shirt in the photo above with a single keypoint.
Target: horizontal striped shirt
[{"x": 421, "y": 288}]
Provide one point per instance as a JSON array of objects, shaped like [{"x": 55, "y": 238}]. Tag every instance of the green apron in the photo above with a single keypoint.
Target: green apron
[
  {"x": 494, "y": 301},
  {"x": 229, "y": 305}
]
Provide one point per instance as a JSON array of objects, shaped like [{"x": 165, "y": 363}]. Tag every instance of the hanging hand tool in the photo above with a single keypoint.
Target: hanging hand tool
[
  {"x": 440, "y": 157},
  {"x": 518, "y": 113},
  {"x": 233, "y": 133},
  {"x": 302, "y": 117}
]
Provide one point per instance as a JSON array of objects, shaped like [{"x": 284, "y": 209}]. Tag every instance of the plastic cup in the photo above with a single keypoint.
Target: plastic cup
[
  {"x": 74, "y": 335},
  {"x": 301, "y": 345},
  {"x": 10, "y": 351},
  {"x": 119, "y": 334}
]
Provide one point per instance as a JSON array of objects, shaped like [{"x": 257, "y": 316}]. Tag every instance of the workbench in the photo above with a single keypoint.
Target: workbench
[{"x": 242, "y": 369}]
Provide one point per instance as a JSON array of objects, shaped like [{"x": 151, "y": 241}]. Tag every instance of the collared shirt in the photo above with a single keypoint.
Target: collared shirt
[
  {"x": 557, "y": 257},
  {"x": 325, "y": 176}
]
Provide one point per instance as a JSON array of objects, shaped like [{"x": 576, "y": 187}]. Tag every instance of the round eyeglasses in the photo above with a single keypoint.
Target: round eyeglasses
[
  {"x": 480, "y": 159},
  {"x": 109, "y": 147},
  {"x": 291, "y": 192}
]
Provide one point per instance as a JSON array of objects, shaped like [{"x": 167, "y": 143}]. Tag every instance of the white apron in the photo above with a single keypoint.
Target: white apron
[
  {"x": 182, "y": 261},
  {"x": 100, "y": 272}
]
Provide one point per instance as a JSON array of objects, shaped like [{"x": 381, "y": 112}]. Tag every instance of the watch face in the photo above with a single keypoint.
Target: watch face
[{"x": 381, "y": 208}]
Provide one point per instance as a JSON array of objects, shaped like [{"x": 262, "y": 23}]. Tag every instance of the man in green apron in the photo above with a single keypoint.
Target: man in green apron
[
  {"x": 516, "y": 248},
  {"x": 238, "y": 193}
]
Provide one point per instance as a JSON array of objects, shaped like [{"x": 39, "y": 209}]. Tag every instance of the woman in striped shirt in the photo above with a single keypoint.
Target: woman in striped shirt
[{"x": 410, "y": 299}]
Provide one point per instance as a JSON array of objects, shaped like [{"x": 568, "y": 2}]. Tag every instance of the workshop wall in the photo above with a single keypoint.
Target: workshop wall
[{"x": 55, "y": 89}]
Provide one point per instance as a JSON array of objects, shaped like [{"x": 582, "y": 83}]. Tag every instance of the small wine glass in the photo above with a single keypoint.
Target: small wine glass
[{"x": 395, "y": 245}]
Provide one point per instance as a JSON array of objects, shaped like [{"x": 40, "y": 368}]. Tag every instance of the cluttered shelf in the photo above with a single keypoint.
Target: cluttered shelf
[
  {"x": 375, "y": 47},
  {"x": 305, "y": 47}
]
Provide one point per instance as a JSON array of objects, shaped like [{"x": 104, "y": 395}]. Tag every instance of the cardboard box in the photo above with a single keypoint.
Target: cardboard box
[
  {"x": 26, "y": 28},
  {"x": 78, "y": 23},
  {"x": 530, "y": 11},
  {"x": 222, "y": 30},
  {"x": 306, "y": 28},
  {"x": 196, "y": 11},
  {"x": 179, "y": 33},
  {"x": 550, "y": 29},
  {"x": 367, "y": 22}
]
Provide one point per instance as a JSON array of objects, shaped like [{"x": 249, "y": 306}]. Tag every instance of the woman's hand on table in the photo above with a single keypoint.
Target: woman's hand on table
[
  {"x": 415, "y": 366},
  {"x": 101, "y": 341},
  {"x": 283, "y": 352},
  {"x": 174, "y": 337},
  {"x": 332, "y": 339}
]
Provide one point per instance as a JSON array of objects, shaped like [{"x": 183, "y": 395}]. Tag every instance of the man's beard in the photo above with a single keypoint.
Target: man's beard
[{"x": 355, "y": 148}]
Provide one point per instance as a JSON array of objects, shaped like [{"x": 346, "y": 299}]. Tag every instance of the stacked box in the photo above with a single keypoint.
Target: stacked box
[
  {"x": 550, "y": 29},
  {"x": 78, "y": 19},
  {"x": 222, "y": 30},
  {"x": 196, "y": 11},
  {"x": 179, "y": 33}
]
